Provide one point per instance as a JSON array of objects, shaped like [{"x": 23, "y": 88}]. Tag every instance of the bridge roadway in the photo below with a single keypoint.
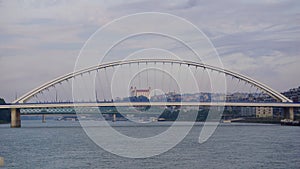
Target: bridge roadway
[{"x": 124, "y": 104}]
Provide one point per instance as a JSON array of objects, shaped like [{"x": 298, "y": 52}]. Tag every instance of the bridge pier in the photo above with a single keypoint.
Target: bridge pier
[
  {"x": 114, "y": 117},
  {"x": 289, "y": 113},
  {"x": 43, "y": 118},
  {"x": 15, "y": 118}
]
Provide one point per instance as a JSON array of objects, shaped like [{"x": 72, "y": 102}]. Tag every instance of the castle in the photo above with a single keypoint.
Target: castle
[{"x": 139, "y": 92}]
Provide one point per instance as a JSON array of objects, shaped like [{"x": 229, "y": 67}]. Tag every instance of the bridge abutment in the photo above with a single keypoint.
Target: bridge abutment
[{"x": 15, "y": 118}]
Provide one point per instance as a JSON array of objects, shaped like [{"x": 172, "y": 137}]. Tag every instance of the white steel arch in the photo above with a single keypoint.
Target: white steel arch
[{"x": 273, "y": 93}]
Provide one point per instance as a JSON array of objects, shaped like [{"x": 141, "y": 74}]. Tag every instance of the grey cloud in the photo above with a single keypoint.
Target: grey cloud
[
  {"x": 38, "y": 21},
  {"x": 252, "y": 28},
  {"x": 60, "y": 46}
]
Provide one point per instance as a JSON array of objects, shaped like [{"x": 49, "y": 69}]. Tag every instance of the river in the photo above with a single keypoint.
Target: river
[{"x": 64, "y": 144}]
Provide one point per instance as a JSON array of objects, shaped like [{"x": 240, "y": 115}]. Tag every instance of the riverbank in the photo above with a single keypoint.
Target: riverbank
[
  {"x": 258, "y": 120},
  {"x": 270, "y": 121}
]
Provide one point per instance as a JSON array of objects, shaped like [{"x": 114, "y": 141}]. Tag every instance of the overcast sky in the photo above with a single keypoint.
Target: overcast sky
[{"x": 40, "y": 40}]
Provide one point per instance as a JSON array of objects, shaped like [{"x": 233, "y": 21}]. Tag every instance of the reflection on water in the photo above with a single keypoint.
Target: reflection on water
[{"x": 63, "y": 144}]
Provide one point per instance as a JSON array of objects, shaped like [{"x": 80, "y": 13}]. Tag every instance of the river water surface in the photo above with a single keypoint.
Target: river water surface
[{"x": 64, "y": 144}]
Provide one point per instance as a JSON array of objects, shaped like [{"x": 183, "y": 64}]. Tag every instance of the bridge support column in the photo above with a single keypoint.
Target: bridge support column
[
  {"x": 114, "y": 117},
  {"x": 15, "y": 118},
  {"x": 289, "y": 113},
  {"x": 43, "y": 118}
]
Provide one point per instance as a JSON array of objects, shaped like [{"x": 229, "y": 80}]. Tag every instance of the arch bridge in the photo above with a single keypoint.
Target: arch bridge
[{"x": 279, "y": 100}]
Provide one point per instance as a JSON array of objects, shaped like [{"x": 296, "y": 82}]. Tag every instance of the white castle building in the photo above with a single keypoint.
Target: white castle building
[{"x": 140, "y": 92}]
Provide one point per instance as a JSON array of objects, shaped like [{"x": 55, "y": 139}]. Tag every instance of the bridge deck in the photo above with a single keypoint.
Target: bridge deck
[{"x": 124, "y": 104}]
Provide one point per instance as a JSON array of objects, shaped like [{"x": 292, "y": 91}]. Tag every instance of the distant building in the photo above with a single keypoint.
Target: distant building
[
  {"x": 240, "y": 97},
  {"x": 293, "y": 94},
  {"x": 247, "y": 112},
  {"x": 205, "y": 97},
  {"x": 134, "y": 92},
  {"x": 173, "y": 97},
  {"x": 264, "y": 112}
]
